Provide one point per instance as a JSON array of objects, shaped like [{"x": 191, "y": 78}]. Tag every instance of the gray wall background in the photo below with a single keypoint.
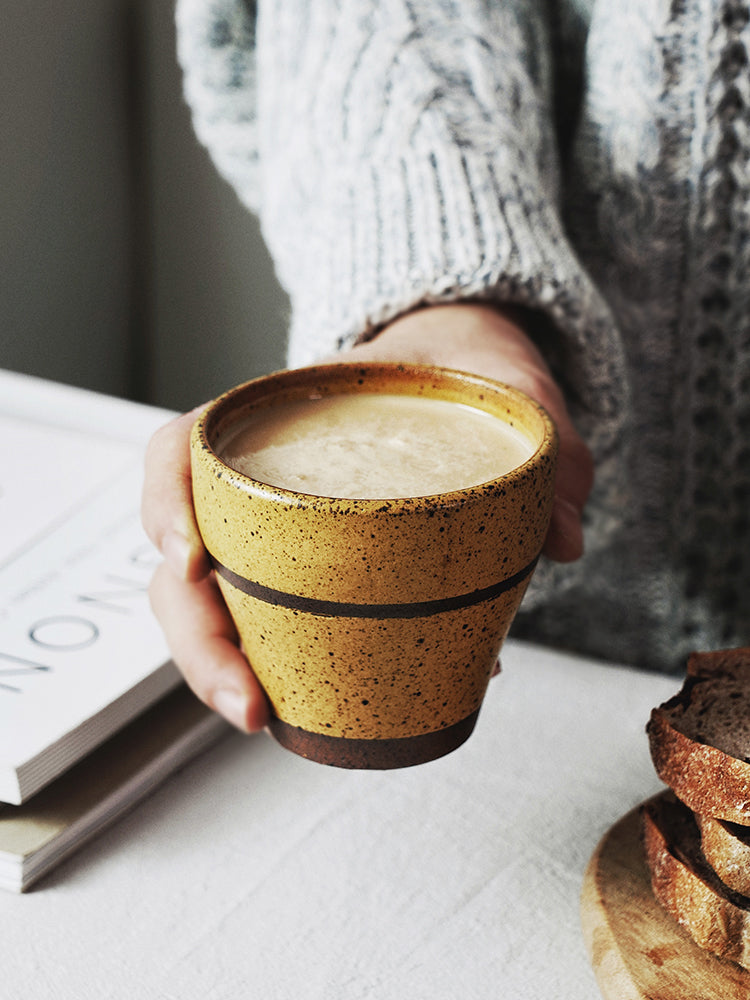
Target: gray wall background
[{"x": 126, "y": 264}]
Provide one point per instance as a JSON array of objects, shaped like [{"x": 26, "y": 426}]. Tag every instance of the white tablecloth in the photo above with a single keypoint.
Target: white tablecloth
[{"x": 254, "y": 873}]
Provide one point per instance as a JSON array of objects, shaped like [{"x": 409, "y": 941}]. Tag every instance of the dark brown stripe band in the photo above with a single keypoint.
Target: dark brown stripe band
[
  {"x": 373, "y": 755},
  {"x": 344, "y": 609}
]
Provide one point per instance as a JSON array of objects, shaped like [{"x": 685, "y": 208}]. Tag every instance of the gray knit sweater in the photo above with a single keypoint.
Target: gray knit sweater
[{"x": 586, "y": 159}]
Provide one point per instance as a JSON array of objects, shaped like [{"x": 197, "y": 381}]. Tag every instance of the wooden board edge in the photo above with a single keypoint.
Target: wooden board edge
[
  {"x": 602, "y": 946},
  {"x": 637, "y": 950}
]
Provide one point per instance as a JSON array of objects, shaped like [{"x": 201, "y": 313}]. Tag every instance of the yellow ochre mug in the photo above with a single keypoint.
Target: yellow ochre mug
[{"x": 373, "y": 623}]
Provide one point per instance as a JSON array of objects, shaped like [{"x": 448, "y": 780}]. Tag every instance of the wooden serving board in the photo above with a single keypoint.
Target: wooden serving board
[{"x": 637, "y": 950}]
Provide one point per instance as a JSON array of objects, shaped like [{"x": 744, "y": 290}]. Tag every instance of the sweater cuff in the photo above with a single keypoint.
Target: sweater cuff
[{"x": 443, "y": 226}]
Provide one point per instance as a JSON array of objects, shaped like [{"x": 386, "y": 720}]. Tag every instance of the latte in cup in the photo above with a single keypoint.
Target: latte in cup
[{"x": 373, "y": 446}]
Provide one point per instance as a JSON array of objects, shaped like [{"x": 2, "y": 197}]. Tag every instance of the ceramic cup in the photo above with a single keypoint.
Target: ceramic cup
[{"x": 373, "y": 625}]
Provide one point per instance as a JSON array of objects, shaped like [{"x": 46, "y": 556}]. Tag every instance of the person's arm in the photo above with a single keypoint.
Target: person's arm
[
  {"x": 402, "y": 153},
  {"x": 401, "y": 157},
  {"x": 408, "y": 156}
]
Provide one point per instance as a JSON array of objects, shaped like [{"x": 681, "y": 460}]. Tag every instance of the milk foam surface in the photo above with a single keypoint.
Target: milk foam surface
[{"x": 374, "y": 446}]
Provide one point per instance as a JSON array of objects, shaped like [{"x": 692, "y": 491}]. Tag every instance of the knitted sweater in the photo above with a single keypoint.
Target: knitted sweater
[{"x": 585, "y": 159}]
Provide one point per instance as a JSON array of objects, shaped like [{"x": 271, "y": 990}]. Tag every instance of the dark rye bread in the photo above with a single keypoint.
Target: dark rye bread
[
  {"x": 717, "y": 918},
  {"x": 700, "y": 738}
]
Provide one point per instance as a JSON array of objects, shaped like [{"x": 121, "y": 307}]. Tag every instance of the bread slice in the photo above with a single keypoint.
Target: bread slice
[
  {"x": 726, "y": 847},
  {"x": 717, "y": 918},
  {"x": 700, "y": 738}
]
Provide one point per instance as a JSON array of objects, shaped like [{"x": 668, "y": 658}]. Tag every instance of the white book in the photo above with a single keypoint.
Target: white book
[{"x": 80, "y": 651}]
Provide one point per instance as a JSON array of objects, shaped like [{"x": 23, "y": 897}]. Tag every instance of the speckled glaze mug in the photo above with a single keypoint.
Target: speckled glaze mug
[{"x": 373, "y": 625}]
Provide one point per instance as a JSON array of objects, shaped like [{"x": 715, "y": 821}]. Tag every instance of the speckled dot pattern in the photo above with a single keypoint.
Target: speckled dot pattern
[{"x": 371, "y": 620}]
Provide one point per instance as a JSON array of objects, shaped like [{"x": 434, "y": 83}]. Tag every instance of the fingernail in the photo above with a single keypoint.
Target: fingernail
[
  {"x": 233, "y": 706},
  {"x": 176, "y": 550}
]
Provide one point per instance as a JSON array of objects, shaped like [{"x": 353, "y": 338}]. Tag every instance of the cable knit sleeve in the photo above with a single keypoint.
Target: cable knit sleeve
[
  {"x": 401, "y": 152},
  {"x": 216, "y": 51}
]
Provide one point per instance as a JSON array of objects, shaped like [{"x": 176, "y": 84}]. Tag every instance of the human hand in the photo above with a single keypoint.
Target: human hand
[{"x": 184, "y": 594}]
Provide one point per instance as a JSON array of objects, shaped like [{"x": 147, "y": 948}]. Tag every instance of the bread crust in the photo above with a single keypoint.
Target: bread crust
[
  {"x": 716, "y": 922},
  {"x": 726, "y": 848},
  {"x": 708, "y": 779},
  {"x": 704, "y": 777}
]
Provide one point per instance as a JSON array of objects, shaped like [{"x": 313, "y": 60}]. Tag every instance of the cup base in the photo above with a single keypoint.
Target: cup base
[{"x": 372, "y": 755}]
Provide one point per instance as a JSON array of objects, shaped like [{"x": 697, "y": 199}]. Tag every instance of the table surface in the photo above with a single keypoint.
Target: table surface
[{"x": 255, "y": 873}]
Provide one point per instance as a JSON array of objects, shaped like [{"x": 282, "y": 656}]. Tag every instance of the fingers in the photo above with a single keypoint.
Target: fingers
[
  {"x": 167, "y": 501},
  {"x": 573, "y": 483},
  {"x": 184, "y": 596},
  {"x": 203, "y": 642},
  {"x": 575, "y": 476}
]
